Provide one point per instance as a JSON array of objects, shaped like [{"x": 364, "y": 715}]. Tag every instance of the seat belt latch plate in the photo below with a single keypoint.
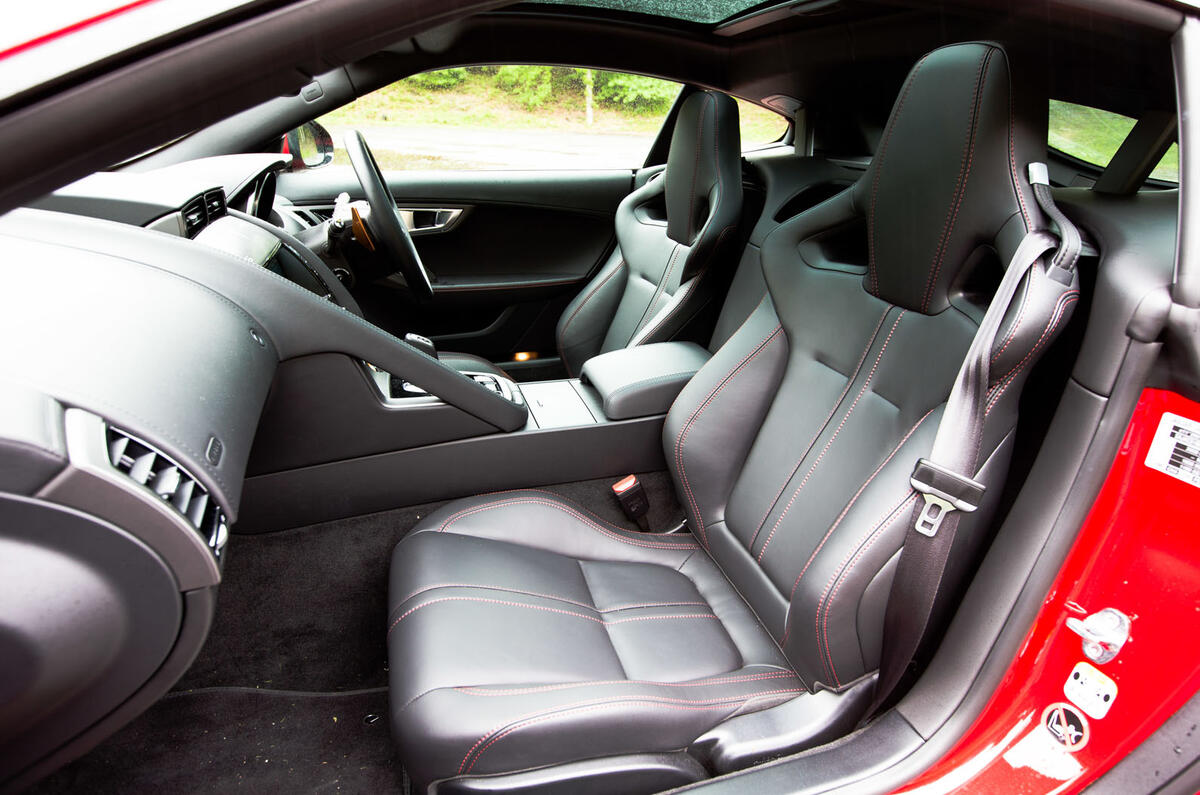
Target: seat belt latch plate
[{"x": 944, "y": 491}]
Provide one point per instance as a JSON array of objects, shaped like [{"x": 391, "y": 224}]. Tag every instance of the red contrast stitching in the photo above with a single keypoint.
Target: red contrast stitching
[
  {"x": 960, "y": 185},
  {"x": 696, "y": 166},
  {"x": 828, "y": 444},
  {"x": 837, "y": 522},
  {"x": 696, "y": 414},
  {"x": 521, "y": 691},
  {"x": 832, "y": 410},
  {"x": 658, "y": 702},
  {"x": 695, "y": 283},
  {"x": 851, "y": 560},
  {"x": 1034, "y": 281},
  {"x": 1012, "y": 154},
  {"x": 568, "y": 510},
  {"x": 543, "y": 608},
  {"x": 658, "y": 291},
  {"x": 1060, "y": 312},
  {"x": 502, "y": 589},
  {"x": 616, "y": 269},
  {"x": 887, "y": 137}
]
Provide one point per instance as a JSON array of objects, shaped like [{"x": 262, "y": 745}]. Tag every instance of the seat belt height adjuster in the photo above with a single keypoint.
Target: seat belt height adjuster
[{"x": 944, "y": 491}]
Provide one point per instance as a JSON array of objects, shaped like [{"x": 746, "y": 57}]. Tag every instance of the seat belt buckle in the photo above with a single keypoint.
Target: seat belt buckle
[
  {"x": 632, "y": 497},
  {"x": 944, "y": 491}
]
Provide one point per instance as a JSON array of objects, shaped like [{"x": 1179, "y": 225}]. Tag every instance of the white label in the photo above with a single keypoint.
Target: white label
[
  {"x": 1090, "y": 690},
  {"x": 1176, "y": 448}
]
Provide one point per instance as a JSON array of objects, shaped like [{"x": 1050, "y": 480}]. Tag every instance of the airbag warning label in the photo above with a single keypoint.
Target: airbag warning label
[{"x": 1176, "y": 448}]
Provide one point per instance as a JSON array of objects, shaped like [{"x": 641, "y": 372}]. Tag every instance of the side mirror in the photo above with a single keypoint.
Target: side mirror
[{"x": 310, "y": 145}]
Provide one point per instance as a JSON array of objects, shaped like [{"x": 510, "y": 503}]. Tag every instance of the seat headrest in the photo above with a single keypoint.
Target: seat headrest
[
  {"x": 705, "y": 156},
  {"x": 949, "y": 172}
]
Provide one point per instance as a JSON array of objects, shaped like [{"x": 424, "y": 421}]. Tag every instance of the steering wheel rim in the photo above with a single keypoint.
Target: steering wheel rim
[{"x": 390, "y": 232}]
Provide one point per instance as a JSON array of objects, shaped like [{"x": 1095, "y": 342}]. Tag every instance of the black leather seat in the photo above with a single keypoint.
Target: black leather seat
[
  {"x": 672, "y": 233},
  {"x": 531, "y": 642}
]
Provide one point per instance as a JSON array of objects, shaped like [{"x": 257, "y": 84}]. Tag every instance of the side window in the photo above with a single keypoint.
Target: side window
[
  {"x": 760, "y": 126},
  {"x": 1094, "y": 135},
  {"x": 509, "y": 118}
]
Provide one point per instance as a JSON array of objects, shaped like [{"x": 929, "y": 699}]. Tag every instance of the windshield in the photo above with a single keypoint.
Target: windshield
[{"x": 57, "y": 38}]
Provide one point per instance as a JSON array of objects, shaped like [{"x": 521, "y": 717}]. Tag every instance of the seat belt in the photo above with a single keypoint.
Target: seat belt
[{"x": 947, "y": 492}]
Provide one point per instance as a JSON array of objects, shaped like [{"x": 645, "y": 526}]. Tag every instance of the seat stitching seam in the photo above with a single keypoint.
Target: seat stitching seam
[
  {"x": 696, "y": 414},
  {"x": 481, "y": 690},
  {"x": 693, "y": 285},
  {"x": 873, "y": 276},
  {"x": 543, "y": 608},
  {"x": 821, "y": 427},
  {"x": 579, "y": 508},
  {"x": 660, "y": 702},
  {"x": 828, "y": 444},
  {"x": 620, "y": 264},
  {"x": 960, "y": 185},
  {"x": 659, "y": 288},
  {"x": 848, "y": 563},
  {"x": 502, "y": 589},
  {"x": 837, "y": 522},
  {"x": 1034, "y": 281},
  {"x": 1059, "y": 313},
  {"x": 689, "y": 544}
]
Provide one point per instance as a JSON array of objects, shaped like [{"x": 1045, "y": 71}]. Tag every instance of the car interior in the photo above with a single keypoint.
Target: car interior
[{"x": 316, "y": 475}]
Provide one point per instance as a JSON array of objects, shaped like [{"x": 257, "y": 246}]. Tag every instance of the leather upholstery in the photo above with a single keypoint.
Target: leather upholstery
[
  {"x": 641, "y": 381},
  {"x": 655, "y": 281},
  {"x": 791, "y": 451},
  {"x": 513, "y": 650}
]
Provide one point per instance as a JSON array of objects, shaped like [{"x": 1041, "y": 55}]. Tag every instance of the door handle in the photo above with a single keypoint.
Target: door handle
[{"x": 430, "y": 220}]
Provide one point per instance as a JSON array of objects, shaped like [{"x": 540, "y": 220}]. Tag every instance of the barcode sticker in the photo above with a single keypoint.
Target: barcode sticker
[{"x": 1176, "y": 448}]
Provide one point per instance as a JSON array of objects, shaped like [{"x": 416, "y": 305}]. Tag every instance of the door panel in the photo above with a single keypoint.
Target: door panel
[{"x": 523, "y": 246}]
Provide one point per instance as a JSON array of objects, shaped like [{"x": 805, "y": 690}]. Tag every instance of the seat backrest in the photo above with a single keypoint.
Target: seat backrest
[
  {"x": 792, "y": 448},
  {"x": 671, "y": 234}
]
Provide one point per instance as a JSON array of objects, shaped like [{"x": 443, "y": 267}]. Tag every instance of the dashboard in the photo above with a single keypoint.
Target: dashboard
[{"x": 147, "y": 320}]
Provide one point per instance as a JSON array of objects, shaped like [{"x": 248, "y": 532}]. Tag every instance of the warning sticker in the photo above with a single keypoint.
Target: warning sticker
[{"x": 1176, "y": 448}]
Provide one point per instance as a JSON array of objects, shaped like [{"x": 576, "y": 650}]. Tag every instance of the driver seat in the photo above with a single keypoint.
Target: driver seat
[{"x": 673, "y": 235}]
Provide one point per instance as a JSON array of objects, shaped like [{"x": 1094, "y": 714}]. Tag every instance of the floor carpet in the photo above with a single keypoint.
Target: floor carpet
[
  {"x": 295, "y": 662},
  {"x": 262, "y": 741}
]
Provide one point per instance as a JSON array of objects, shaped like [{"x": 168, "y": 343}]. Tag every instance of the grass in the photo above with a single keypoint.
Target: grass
[
  {"x": 479, "y": 103},
  {"x": 1094, "y": 135}
]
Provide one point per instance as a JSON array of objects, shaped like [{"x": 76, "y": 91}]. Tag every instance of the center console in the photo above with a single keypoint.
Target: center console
[{"x": 385, "y": 442}]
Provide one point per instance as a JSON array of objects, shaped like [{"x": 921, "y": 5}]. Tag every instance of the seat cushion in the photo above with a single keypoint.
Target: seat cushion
[{"x": 525, "y": 631}]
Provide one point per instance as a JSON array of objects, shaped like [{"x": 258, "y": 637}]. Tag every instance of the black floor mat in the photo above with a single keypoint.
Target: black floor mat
[
  {"x": 227, "y": 739},
  {"x": 301, "y": 614}
]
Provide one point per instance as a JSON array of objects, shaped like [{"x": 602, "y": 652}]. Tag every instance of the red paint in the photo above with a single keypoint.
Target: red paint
[
  {"x": 1139, "y": 552},
  {"x": 73, "y": 28}
]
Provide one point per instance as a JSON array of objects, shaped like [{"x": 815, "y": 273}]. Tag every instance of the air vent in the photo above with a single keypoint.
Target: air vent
[
  {"x": 195, "y": 216},
  {"x": 214, "y": 203},
  {"x": 149, "y": 467}
]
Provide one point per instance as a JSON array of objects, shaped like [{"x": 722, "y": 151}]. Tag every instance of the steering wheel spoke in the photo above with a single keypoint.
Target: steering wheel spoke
[{"x": 386, "y": 229}]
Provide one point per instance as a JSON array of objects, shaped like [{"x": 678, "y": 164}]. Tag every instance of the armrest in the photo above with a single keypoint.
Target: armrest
[{"x": 644, "y": 380}]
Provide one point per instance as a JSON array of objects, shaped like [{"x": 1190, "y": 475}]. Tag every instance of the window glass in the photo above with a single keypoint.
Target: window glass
[
  {"x": 1094, "y": 136},
  {"x": 509, "y": 117},
  {"x": 759, "y": 125}
]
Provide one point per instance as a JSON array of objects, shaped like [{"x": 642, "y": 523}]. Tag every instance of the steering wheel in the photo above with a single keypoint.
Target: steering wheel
[{"x": 388, "y": 230}]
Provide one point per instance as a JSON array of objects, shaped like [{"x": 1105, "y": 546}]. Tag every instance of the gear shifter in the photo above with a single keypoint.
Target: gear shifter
[{"x": 423, "y": 344}]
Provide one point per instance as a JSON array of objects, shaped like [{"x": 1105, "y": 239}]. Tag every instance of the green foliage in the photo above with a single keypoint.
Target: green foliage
[
  {"x": 529, "y": 85},
  {"x": 635, "y": 92},
  {"x": 439, "y": 79}
]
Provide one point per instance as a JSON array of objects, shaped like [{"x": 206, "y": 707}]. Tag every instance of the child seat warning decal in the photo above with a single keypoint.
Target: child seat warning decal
[{"x": 1176, "y": 448}]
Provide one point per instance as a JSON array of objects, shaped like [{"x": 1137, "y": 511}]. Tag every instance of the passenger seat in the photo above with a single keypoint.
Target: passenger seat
[{"x": 534, "y": 645}]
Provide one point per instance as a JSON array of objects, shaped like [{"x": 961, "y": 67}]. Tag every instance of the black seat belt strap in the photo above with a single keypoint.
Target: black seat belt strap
[{"x": 945, "y": 480}]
